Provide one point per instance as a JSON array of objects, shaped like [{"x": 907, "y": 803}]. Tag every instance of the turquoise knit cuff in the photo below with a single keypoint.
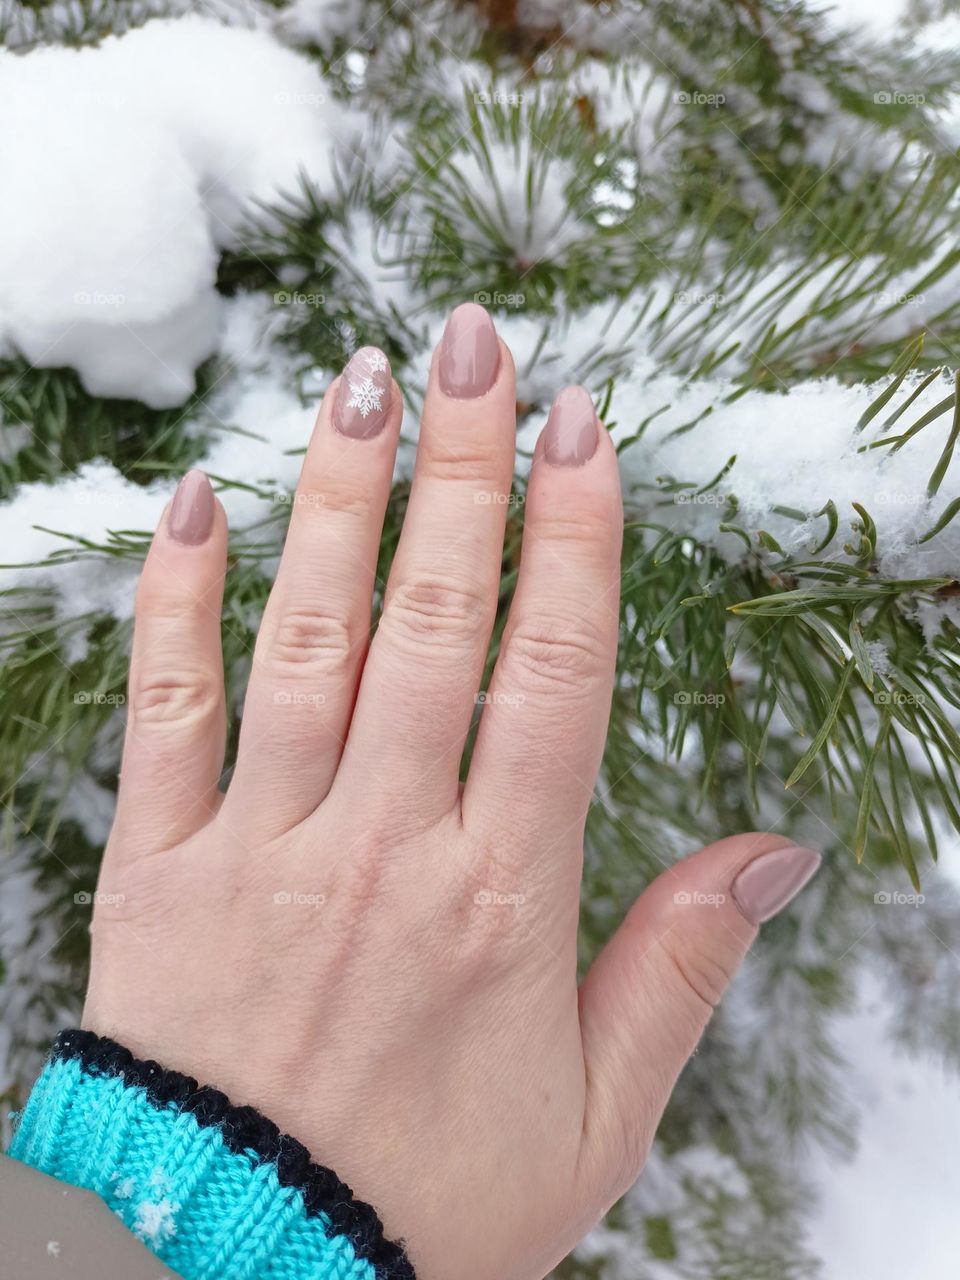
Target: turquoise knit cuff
[{"x": 216, "y": 1191}]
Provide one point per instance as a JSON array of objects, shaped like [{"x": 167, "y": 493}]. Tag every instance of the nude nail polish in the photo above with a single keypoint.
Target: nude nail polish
[
  {"x": 469, "y": 358},
  {"x": 572, "y": 432},
  {"x": 769, "y": 882},
  {"x": 363, "y": 396},
  {"x": 191, "y": 513}
]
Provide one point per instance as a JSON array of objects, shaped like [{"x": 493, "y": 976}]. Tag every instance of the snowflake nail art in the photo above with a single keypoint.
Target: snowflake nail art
[
  {"x": 376, "y": 361},
  {"x": 365, "y": 396}
]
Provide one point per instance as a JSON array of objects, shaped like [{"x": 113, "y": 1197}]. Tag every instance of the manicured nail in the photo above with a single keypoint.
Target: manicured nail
[
  {"x": 469, "y": 353},
  {"x": 572, "y": 432},
  {"x": 191, "y": 514},
  {"x": 767, "y": 884},
  {"x": 363, "y": 397}
]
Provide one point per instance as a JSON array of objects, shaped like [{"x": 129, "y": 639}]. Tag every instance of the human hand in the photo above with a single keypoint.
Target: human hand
[{"x": 381, "y": 960}]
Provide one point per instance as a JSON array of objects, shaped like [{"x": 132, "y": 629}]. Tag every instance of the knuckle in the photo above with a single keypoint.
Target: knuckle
[
  {"x": 174, "y": 699},
  {"x": 702, "y": 971},
  {"x": 474, "y": 457},
  {"x": 435, "y": 611},
  {"x": 311, "y": 637},
  {"x": 330, "y": 493},
  {"x": 554, "y": 658},
  {"x": 588, "y": 527},
  {"x": 160, "y": 600}
]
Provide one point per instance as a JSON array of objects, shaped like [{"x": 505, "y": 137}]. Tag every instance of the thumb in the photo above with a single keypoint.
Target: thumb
[{"x": 650, "y": 993}]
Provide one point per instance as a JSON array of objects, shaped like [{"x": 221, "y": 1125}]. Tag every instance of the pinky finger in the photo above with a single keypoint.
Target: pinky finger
[{"x": 174, "y": 744}]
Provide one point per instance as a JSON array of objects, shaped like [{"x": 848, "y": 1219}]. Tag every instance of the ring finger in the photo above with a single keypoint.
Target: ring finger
[{"x": 316, "y": 626}]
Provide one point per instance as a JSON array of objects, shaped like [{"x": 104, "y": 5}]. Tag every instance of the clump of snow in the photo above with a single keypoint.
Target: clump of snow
[
  {"x": 155, "y": 1222},
  {"x": 86, "y": 505},
  {"x": 322, "y": 21},
  {"x": 128, "y": 168},
  {"x": 880, "y": 18},
  {"x": 372, "y": 254},
  {"x": 799, "y": 449},
  {"x": 519, "y": 193}
]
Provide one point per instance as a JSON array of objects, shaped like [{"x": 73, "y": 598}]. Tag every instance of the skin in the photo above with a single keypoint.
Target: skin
[{"x": 411, "y": 1011}]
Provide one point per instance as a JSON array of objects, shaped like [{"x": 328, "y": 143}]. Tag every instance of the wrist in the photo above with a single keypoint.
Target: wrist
[{"x": 212, "y": 1189}]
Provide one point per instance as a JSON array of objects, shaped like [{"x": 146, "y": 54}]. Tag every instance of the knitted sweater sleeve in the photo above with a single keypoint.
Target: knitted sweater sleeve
[{"x": 216, "y": 1191}]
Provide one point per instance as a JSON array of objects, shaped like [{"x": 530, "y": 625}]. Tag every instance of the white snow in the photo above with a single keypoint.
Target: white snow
[
  {"x": 876, "y": 17},
  {"x": 155, "y": 1221},
  {"x": 798, "y": 448},
  {"x": 321, "y": 21},
  {"x": 126, "y": 169}
]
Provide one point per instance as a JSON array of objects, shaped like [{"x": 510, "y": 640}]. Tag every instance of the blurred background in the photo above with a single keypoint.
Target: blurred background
[{"x": 736, "y": 222}]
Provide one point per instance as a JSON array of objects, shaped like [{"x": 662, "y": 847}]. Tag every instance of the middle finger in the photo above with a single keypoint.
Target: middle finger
[{"x": 425, "y": 664}]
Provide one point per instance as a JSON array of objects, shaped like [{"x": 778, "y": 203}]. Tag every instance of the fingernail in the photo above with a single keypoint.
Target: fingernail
[
  {"x": 363, "y": 397},
  {"x": 572, "y": 432},
  {"x": 767, "y": 884},
  {"x": 191, "y": 514},
  {"x": 469, "y": 353}
]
